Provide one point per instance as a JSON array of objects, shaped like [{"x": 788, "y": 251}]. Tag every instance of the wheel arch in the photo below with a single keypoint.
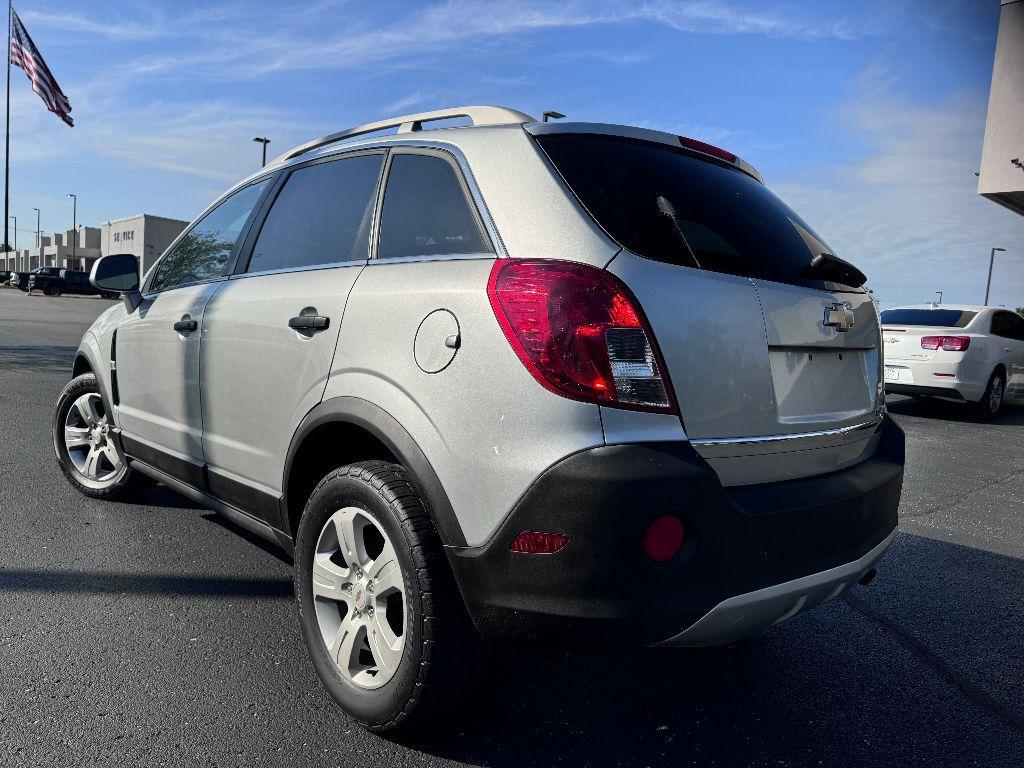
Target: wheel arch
[
  {"x": 344, "y": 429},
  {"x": 82, "y": 365}
]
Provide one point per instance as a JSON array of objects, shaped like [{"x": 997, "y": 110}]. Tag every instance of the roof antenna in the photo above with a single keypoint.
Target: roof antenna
[{"x": 554, "y": 115}]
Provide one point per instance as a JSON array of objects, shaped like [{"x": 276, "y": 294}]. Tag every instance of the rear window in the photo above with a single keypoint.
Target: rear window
[
  {"x": 936, "y": 318},
  {"x": 731, "y": 222}
]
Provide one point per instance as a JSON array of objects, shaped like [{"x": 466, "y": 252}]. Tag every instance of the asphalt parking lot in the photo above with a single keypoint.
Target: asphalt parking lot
[{"x": 158, "y": 633}]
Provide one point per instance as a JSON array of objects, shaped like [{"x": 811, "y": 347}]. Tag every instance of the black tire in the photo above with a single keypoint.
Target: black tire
[
  {"x": 55, "y": 291},
  {"x": 126, "y": 484},
  {"x": 441, "y": 650},
  {"x": 989, "y": 406}
]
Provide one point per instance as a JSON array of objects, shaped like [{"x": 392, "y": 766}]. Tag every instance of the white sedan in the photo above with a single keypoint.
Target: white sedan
[{"x": 972, "y": 354}]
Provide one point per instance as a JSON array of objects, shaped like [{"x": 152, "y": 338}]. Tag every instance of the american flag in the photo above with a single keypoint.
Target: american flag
[{"x": 24, "y": 54}]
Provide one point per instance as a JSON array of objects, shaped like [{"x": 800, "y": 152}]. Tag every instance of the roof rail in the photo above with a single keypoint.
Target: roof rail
[{"x": 482, "y": 115}]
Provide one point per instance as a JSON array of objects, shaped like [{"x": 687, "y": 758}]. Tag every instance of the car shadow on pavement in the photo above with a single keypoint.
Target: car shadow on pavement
[
  {"x": 909, "y": 673},
  {"x": 102, "y": 583},
  {"x": 38, "y": 359},
  {"x": 931, "y": 408},
  {"x": 163, "y": 496}
]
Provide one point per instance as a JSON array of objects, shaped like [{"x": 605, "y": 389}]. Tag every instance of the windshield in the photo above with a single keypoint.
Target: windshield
[
  {"x": 729, "y": 222},
  {"x": 933, "y": 318}
]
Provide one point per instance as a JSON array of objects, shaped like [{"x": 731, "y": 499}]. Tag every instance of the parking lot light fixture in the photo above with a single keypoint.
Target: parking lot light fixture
[
  {"x": 988, "y": 285},
  {"x": 264, "y": 141}
]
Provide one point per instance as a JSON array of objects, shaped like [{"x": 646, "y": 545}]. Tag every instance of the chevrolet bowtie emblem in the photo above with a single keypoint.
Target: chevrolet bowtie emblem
[{"x": 839, "y": 316}]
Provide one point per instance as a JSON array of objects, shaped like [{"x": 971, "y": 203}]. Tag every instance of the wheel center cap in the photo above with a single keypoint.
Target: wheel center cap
[{"x": 359, "y": 596}]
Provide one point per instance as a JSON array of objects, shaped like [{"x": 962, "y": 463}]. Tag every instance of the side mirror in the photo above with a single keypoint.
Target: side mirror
[{"x": 118, "y": 272}]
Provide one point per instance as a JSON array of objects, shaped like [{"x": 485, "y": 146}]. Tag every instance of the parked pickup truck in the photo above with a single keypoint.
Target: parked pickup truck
[
  {"x": 65, "y": 281},
  {"x": 20, "y": 279}
]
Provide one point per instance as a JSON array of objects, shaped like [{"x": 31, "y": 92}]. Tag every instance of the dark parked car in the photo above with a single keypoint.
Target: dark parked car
[
  {"x": 65, "y": 281},
  {"x": 20, "y": 279}
]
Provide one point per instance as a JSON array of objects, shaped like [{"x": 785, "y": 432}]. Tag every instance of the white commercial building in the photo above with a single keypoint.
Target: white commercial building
[{"x": 145, "y": 236}]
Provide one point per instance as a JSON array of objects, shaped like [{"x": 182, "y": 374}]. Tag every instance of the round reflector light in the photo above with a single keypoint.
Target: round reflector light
[{"x": 664, "y": 538}]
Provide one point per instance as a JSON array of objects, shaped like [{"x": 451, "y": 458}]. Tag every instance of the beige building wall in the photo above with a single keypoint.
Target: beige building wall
[
  {"x": 1001, "y": 177},
  {"x": 145, "y": 237}
]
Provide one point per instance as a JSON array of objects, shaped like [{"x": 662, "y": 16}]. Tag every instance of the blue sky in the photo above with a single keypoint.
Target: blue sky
[{"x": 867, "y": 117}]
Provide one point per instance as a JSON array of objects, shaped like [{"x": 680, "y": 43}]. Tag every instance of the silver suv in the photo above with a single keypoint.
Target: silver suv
[{"x": 561, "y": 383}]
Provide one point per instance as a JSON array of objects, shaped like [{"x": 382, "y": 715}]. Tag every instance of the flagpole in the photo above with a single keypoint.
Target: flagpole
[{"x": 7, "y": 139}]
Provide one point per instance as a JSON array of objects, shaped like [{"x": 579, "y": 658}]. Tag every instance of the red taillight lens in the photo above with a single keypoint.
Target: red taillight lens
[
  {"x": 580, "y": 333},
  {"x": 948, "y": 343},
  {"x": 538, "y": 543}
]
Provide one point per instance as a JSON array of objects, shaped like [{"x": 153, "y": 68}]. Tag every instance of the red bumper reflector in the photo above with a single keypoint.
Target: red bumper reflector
[
  {"x": 538, "y": 543},
  {"x": 664, "y": 538}
]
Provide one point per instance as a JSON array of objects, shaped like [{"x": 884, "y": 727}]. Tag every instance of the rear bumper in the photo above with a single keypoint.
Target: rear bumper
[
  {"x": 962, "y": 379},
  {"x": 753, "y": 554},
  {"x": 918, "y": 389}
]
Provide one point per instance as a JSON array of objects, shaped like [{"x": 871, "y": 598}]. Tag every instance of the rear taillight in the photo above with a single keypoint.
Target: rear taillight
[
  {"x": 948, "y": 343},
  {"x": 580, "y": 333}
]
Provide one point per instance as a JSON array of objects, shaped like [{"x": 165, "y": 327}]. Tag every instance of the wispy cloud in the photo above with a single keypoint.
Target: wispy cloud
[
  {"x": 908, "y": 212},
  {"x": 237, "y": 48}
]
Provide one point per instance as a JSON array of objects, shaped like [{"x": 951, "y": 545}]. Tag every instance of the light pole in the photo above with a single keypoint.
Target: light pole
[
  {"x": 39, "y": 240},
  {"x": 991, "y": 259},
  {"x": 264, "y": 141},
  {"x": 74, "y": 230},
  {"x": 15, "y": 220}
]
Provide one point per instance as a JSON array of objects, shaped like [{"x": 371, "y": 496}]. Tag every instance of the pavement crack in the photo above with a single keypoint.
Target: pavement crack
[
  {"x": 919, "y": 650},
  {"x": 957, "y": 498}
]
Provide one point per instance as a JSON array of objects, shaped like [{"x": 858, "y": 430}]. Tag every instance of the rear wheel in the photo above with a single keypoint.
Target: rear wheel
[
  {"x": 83, "y": 440},
  {"x": 992, "y": 401},
  {"x": 380, "y": 612}
]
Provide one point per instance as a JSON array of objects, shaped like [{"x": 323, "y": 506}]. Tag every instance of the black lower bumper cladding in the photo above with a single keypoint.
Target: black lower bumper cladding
[{"x": 737, "y": 540}]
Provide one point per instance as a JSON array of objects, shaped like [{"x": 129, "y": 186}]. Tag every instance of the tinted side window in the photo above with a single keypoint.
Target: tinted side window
[
  {"x": 321, "y": 216},
  {"x": 203, "y": 253},
  {"x": 426, "y": 211},
  {"x": 1009, "y": 325},
  {"x": 1017, "y": 327},
  {"x": 1001, "y": 324}
]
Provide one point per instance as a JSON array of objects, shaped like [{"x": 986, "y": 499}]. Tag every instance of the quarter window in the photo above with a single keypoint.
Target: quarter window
[
  {"x": 204, "y": 252},
  {"x": 426, "y": 211},
  {"x": 321, "y": 216},
  {"x": 1008, "y": 325}
]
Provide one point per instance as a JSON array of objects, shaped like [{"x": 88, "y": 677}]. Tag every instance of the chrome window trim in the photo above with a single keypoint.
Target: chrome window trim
[
  {"x": 308, "y": 268},
  {"x": 485, "y": 255},
  {"x": 782, "y": 438}
]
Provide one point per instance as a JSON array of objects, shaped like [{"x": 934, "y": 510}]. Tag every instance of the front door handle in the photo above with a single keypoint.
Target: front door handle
[
  {"x": 186, "y": 325},
  {"x": 309, "y": 322}
]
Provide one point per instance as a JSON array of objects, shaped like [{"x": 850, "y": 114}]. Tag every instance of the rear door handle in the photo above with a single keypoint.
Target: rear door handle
[
  {"x": 309, "y": 322},
  {"x": 185, "y": 325}
]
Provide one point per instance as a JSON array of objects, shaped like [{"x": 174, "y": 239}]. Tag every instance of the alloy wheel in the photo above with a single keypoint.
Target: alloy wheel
[
  {"x": 359, "y": 598},
  {"x": 87, "y": 438},
  {"x": 995, "y": 397}
]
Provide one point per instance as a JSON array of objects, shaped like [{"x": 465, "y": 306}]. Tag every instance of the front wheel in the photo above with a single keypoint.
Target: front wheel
[
  {"x": 381, "y": 615},
  {"x": 87, "y": 452},
  {"x": 992, "y": 401}
]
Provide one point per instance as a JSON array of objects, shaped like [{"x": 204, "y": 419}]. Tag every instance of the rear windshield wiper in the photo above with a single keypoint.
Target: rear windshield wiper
[
  {"x": 827, "y": 266},
  {"x": 666, "y": 209}
]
